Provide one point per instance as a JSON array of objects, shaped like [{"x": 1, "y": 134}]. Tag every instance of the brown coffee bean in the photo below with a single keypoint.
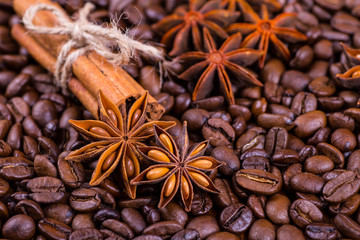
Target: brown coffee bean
[
  {"x": 343, "y": 139},
  {"x": 295, "y": 80},
  {"x": 59, "y": 211},
  {"x": 43, "y": 166},
  {"x": 268, "y": 120},
  {"x": 53, "y": 229},
  {"x": 257, "y": 205},
  {"x": 82, "y": 220},
  {"x": 305, "y": 54},
  {"x": 277, "y": 209},
  {"x": 229, "y": 159},
  {"x": 163, "y": 229},
  {"x": 149, "y": 78},
  {"x": 348, "y": 207},
  {"x": 258, "y": 181},
  {"x": 20, "y": 227},
  {"x": 332, "y": 152},
  {"x": 31, "y": 208},
  {"x": 220, "y": 132},
  {"x": 86, "y": 233},
  {"x": 321, "y": 231},
  {"x": 134, "y": 219},
  {"x": 347, "y": 227},
  {"x": 273, "y": 92},
  {"x": 174, "y": 212},
  {"x": 262, "y": 229},
  {"x": 276, "y": 140},
  {"x": 307, "y": 182},
  {"x": 202, "y": 203},
  {"x": 304, "y": 102},
  {"x": 303, "y": 212},
  {"x": 14, "y": 136},
  {"x": 226, "y": 196},
  {"x": 196, "y": 118},
  {"x": 46, "y": 189},
  {"x": 288, "y": 231},
  {"x": 14, "y": 169},
  {"x": 17, "y": 85},
  {"x": 236, "y": 218},
  {"x": 318, "y": 164},
  {"x": 340, "y": 120},
  {"x": 72, "y": 173},
  {"x": 84, "y": 200},
  {"x": 308, "y": 123},
  {"x": 198, "y": 224},
  {"x": 252, "y": 139},
  {"x": 341, "y": 187},
  {"x": 222, "y": 235},
  {"x": 272, "y": 71}
]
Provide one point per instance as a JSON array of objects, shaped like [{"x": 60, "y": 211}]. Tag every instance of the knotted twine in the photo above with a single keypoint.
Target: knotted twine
[{"x": 85, "y": 36}]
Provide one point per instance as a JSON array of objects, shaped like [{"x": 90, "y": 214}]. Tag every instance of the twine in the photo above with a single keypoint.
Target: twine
[{"x": 85, "y": 36}]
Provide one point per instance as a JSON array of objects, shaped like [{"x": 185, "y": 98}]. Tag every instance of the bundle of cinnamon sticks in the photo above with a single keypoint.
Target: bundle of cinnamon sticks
[{"x": 93, "y": 72}]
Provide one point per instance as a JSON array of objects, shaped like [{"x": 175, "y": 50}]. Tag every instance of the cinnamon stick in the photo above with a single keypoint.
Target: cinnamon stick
[{"x": 93, "y": 72}]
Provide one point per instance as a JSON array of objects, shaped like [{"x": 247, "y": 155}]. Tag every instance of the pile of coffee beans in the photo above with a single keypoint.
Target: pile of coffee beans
[{"x": 290, "y": 149}]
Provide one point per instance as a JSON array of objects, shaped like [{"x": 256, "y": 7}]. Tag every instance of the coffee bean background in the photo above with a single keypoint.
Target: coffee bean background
[{"x": 290, "y": 150}]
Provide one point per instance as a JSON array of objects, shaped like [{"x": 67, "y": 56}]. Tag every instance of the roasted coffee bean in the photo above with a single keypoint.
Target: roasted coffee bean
[
  {"x": 226, "y": 196},
  {"x": 223, "y": 115},
  {"x": 308, "y": 123},
  {"x": 285, "y": 157},
  {"x": 134, "y": 219},
  {"x": 116, "y": 227},
  {"x": 277, "y": 209},
  {"x": 31, "y": 208},
  {"x": 49, "y": 147},
  {"x": 53, "y": 229},
  {"x": 228, "y": 158},
  {"x": 304, "y": 55},
  {"x": 353, "y": 163},
  {"x": 258, "y": 181},
  {"x": 236, "y": 218},
  {"x": 82, "y": 220},
  {"x": 276, "y": 140},
  {"x": 220, "y": 132},
  {"x": 303, "y": 212},
  {"x": 341, "y": 187},
  {"x": 252, "y": 139},
  {"x": 272, "y": 71},
  {"x": 86, "y": 233},
  {"x": 151, "y": 214},
  {"x": 106, "y": 213},
  {"x": 164, "y": 229},
  {"x": 239, "y": 111},
  {"x": 196, "y": 118},
  {"x": 295, "y": 80},
  {"x": 201, "y": 204},
  {"x": 281, "y": 110},
  {"x": 347, "y": 227},
  {"x": 84, "y": 200},
  {"x": 188, "y": 234},
  {"x": 5, "y": 149},
  {"x": 166, "y": 100},
  {"x": 321, "y": 135},
  {"x": 14, "y": 169},
  {"x": 4, "y": 187},
  {"x": 136, "y": 203},
  {"x": 46, "y": 189},
  {"x": 307, "y": 182},
  {"x": 318, "y": 164},
  {"x": 273, "y": 92},
  {"x": 256, "y": 162},
  {"x": 207, "y": 103},
  {"x": 43, "y": 112},
  {"x": 348, "y": 207},
  {"x": 321, "y": 231},
  {"x": 43, "y": 166},
  {"x": 332, "y": 152},
  {"x": 343, "y": 139},
  {"x": 262, "y": 229},
  {"x": 340, "y": 120},
  {"x": 268, "y": 120},
  {"x": 257, "y": 205},
  {"x": 14, "y": 136},
  {"x": 303, "y": 102},
  {"x": 174, "y": 212},
  {"x": 59, "y": 211},
  {"x": 18, "y": 108},
  {"x": 198, "y": 224},
  {"x": 20, "y": 227},
  {"x": 72, "y": 173},
  {"x": 288, "y": 231}
]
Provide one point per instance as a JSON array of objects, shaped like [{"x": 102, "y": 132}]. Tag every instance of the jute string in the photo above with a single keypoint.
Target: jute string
[{"x": 85, "y": 36}]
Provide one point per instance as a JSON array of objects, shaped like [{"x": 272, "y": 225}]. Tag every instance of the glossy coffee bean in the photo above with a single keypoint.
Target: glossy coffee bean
[{"x": 236, "y": 218}]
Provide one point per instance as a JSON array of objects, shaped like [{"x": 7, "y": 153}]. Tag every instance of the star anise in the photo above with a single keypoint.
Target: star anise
[
  {"x": 226, "y": 61},
  {"x": 178, "y": 165},
  {"x": 181, "y": 31},
  {"x": 114, "y": 138},
  {"x": 232, "y": 5},
  {"x": 261, "y": 31}
]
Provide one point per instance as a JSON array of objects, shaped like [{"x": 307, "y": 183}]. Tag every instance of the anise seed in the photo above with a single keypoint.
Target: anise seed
[
  {"x": 129, "y": 167},
  {"x": 198, "y": 149},
  {"x": 199, "y": 179},
  {"x": 108, "y": 161},
  {"x": 167, "y": 142},
  {"x": 185, "y": 187},
  {"x": 99, "y": 131},
  {"x": 135, "y": 117},
  {"x": 202, "y": 163},
  {"x": 170, "y": 185},
  {"x": 159, "y": 156},
  {"x": 112, "y": 117},
  {"x": 356, "y": 74},
  {"x": 156, "y": 173}
]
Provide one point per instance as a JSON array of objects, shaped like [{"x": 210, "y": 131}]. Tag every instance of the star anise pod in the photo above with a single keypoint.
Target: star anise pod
[
  {"x": 227, "y": 62},
  {"x": 181, "y": 31},
  {"x": 232, "y": 5},
  {"x": 178, "y": 166},
  {"x": 261, "y": 31},
  {"x": 114, "y": 138}
]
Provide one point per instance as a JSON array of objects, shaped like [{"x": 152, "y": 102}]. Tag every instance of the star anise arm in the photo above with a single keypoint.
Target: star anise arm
[
  {"x": 110, "y": 113},
  {"x": 182, "y": 142},
  {"x": 137, "y": 113},
  {"x": 231, "y": 43},
  {"x": 205, "y": 83},
  {"x": 283, "y": 19},
  {"x": 264, "y": 46},
  {"x": 169, "y": 189},
  {"x": 248, "y": 13},
  {"x": 243, "y": 28},
  {"x": 203, "y": 163},
  {"x": 280, "y": 47},
  {"x": 214, "y": 29},
  {"x": 146, "y": 130},
  {"x": 251, "y": 40},
  {"x": 107, "y": 163},
  {"x": 168, "y": 37},
  {"x": 195, "y": 5},
  {"x": 225, "y": 84},
  {"x": 196, "y": 36},
  {"x": 181, "y": 44},
  {"x": 201, "y": 180},
  {"x": 241, "y": 74},
  {"x": 264, "y": 12},
  {"x": 192, "y": 56},
  {"x": 289, "y": 35},
  {"x": 167, "y": 23},
  {"x": 154, "y": 174},
  {"x": 166, "y": 141},
  {"x": 222, "y": 16},
  {"x": 244, "y": 56},
  {"x": 129, "y": 168},
  {"x": 94, "y": 129},
  {"x": 88, "y": 151},
  {"x": 194, "y": 71},
  {"x": 186, "y": 190}
]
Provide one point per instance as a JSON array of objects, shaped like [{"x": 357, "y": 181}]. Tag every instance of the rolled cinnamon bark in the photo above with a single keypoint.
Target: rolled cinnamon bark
[{"x": 93, "y": 72}]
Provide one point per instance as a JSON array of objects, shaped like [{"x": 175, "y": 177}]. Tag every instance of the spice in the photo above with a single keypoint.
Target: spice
[
  {"x": 92, "y": 70},
  {"x": 114, "y": 138},
  {"x": 178, "y": 165},
  {"x": 223, "y": 62}
]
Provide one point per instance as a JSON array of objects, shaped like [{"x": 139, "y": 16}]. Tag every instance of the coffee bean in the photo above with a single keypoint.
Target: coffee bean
[
  {"x": 188, "y": 234},
  {"x": 196, "y": 118},
  {"x": 321, "y": 231},
  {"x": 262, "y": 229},
  {"x": 43, "y": 166},
  {"x": 53, "y": 229},
  {"x": 20, "y": 227},
  {"x": 332, "y": 152},
  {"x": 117, "y": 228},
  {"x": 198, "y": 224},
  {"x": 14, "y": 169},
  {"x": 46, "y": 189},
  {"x": 31, "y": 208},
  {"x": 86, "y": 233},
  {"x": 276, "y": 140},
  {"x": 228, "y": 158},
  {"x": 288, "y": 231},
  {"x": 174, "y": 212},
  {"x": 236, "y": 218},
  {"x": 304, "y": 102},
  {"x": 343, "y": 139},
  {"x": 303, "y": 212},
  {"x": 163, "y": 229},
  {"x": 134, "y": 219},
  {"x": 72, "y": 173},
  {"x": 60, "y": 211},
  {"x": 82, "y": 220},
  {"x": 201, "y": 204},
  {"x": 347, "y": 227},
  {"x": 220, "y": 132},
  {"x": 226, "y": 196},
  {"x": 295, "y": 80},
  {"x": 308, "y": 123},
  {"x": 348, "y": 207},
  {"x": 84, "y": 200},
  {"x": 257, "y": 205},
  {"x": 318, "y": 164},
  {"x": 307, "y": 182},
  {"x": 277, "y": 209}
]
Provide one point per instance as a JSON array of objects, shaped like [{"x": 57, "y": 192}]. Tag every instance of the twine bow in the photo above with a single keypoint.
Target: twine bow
[{"x": 85, "y": 36}]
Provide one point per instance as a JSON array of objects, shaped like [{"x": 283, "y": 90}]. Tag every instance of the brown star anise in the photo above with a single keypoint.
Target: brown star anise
[
  {"x": 177, "y": 164},
  {"x": 115, "y": 137},
  {"x": 263, "y": 30},
  {"x": 232, "y": 5},
  {"x": 181, "y": 31},
  {"x": 226, "y": 61}
]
